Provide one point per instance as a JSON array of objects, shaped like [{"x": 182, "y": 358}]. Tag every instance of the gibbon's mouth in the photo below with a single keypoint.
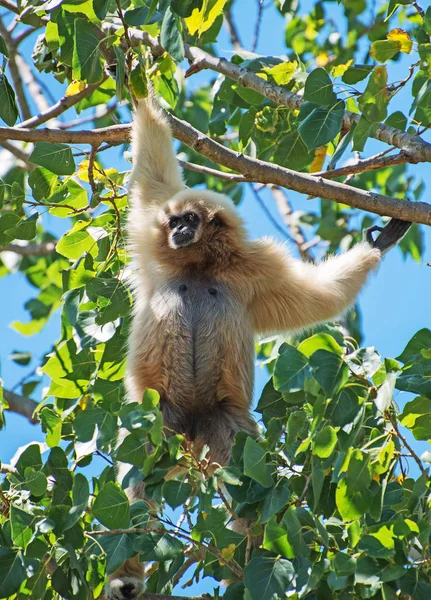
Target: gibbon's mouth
[{"x": 180, "y": 239}]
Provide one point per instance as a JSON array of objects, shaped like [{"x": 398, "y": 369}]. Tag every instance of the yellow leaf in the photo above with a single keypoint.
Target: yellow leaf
[
  {"x": 319, "y": 159},
  {"x": 376, "y": 478},
  {"x": 399, "y": 35},
  {"x": 228, "y": 552},
  {"x": 82, "y": 172},
  {"x": 202, "y": 19},
  {"x": 400, "y": 478},
  {"x": 339, "y": 70},
  {"x": 322, "y": 59},
  {"x": 283, "y": 72},
  {"x": 75, "y": 87}
]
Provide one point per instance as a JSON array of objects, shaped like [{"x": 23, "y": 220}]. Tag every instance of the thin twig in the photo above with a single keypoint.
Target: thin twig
[
  {"x": 286, "y": 211},
  {"x": 416, "y": 458},
  {"x": 258, "y": 24},
  {"x": 232, "y": 30},
  {"x": 60, "y": 107},
  {"x": 268, "y": 214}
]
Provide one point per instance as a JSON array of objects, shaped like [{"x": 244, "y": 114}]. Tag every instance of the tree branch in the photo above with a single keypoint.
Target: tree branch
[
  {"x": 368, "y": 164},
  {"x": 18, "y": 153},
  {"x": 414, "y": 145},
  {"x": 32, "y": 85},
  {"x": 10, "y": 6},
  {"x": 287, "y": 214},
  {"x": 60, "y": 107},
  {"x": 32, "y": 249},
  {"x": 232, "y": 30},
  {"x": 251, "y": 168},
  {"x": 21, "y": 405}
]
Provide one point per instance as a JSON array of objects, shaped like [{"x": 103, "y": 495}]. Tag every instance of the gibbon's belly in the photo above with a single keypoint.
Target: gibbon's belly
[{"x": 207, "y": 350}]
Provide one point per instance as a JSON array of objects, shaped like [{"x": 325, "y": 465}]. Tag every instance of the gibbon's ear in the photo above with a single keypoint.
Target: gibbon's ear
[{"x": 156, "y": 176}]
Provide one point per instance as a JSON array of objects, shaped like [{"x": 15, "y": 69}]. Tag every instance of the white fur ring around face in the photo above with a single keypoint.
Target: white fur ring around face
[{"x": 125, "y": 588}]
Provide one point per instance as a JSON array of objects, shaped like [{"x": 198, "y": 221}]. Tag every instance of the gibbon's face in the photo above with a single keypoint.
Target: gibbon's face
[
  {"x": 184, "y": 229},
  {"x": 192, "y": 225}
]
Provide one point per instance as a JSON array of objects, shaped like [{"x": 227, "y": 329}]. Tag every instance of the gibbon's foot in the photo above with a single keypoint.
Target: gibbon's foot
[
  {"x": 125, "y": 588},
  {"x": 389, "y": 236}
]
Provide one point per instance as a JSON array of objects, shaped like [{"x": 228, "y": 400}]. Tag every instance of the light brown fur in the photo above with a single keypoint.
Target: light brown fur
[{"x": 195, "y": 347}]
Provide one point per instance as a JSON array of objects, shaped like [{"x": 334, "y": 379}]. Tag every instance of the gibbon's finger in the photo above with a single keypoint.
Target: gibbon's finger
[
  {"x": 389, "y": 236},
  {"x": 369, "y": 234}
]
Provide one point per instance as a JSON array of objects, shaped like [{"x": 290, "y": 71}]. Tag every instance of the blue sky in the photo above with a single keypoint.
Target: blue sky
[{"x": 395, "y": 303}]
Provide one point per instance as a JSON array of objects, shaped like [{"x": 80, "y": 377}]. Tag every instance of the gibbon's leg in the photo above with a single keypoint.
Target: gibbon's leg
[
  {"x": 217, "y": 428},
  {"x": 290, "y": 294},
  {"x": 156, "y": 176}
]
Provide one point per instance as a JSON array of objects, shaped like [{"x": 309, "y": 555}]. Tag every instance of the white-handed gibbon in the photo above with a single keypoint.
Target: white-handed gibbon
[{"x": 203, "y": 291}]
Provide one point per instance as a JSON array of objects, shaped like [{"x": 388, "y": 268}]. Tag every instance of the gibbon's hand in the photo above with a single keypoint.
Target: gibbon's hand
[{"x": 389, "y": 236}]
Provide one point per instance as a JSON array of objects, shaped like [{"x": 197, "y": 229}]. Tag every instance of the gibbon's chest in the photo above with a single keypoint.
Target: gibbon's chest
[
  {"x": 205, "y": 341},
  {"x": 195, "y": 303}
]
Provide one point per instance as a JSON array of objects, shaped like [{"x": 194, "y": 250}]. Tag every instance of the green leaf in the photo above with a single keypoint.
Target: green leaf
[
  {"x": 22, "y": 526},
  {"x": 118, "y": 549},
  {"x": 80, "y": 497},
  {"x": 383, "y": 50},
  {"x": 150, "y": 399},
  {"x": 416, "y": 378},
  {"x": 138, "y": 82},
  {"x": 100, "y": 8},
  {"x": 374, "y": 100},
  {"x": 114, "y": 292},
  {"x": 374, "y": 548},
  {"x": 329, "y": 370},
  {"x": 289, "y": 372},
  {"x": 413, "y": 351},
  {"x": 157, "y": 546},
  {"x": 294, "y": 532},
  {"x": 363, "y": 130},
  {"x": 141, "y": 16},
  {"x": 320, "y": 341},
  {"x": 275, "y": 500},
  {"x": 42, "y": 183},
  {"x": 133, "y": 451},
  {"x": 57, "y": 158},
  {"x": 255, "y": 465},
  {"x": 8, "y": 106},
  {"x": 111, "y": 507},
  {"x": 356, "y": 73},
  {"x": 87, "y": 65},
  {"x": 119, "y": 72},
  {"x": 322, "y": 125},
  {"x": 35, "y": 481},
  {"x": 12, "y": 572},
  {"x": 319, "y": 88},
  {"x": 344, "y": 564},
  {"x": 73, "y": 244},
  {"x": 176, "y": 492},
  {"x": 325, "y": 442},
  {"x": 51, "y": 424},
  {"x": 275, "y": 539},
  {"x": 3, "y": 48},
  {"x": 184, "y": 8},
  {"x": 171, "y": 36},
  {"x": 267, "y": 578},
  {"x": 352, "y": 505}
]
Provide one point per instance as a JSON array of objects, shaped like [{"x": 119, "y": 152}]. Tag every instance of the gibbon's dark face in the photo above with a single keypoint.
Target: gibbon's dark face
[{"x": 183, "y": 229}]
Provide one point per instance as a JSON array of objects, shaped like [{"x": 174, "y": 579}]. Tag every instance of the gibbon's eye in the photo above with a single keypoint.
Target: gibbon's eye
[
  {"x": 173, "y": 222},
  {"x": 217, "y": 221},
  {"x": 190, "y": 217}
]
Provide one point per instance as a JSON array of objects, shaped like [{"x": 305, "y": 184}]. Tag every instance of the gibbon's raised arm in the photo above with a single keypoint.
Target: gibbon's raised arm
[
  {"x": 156, "y": 176},
  {"x": 291, "y": 294}
]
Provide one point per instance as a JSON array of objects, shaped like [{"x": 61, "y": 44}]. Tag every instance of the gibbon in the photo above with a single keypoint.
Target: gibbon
[{"x": 203, "y": 291}]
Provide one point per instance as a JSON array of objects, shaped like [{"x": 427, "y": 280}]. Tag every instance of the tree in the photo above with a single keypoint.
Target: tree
[{"x": 335, "y": 490}]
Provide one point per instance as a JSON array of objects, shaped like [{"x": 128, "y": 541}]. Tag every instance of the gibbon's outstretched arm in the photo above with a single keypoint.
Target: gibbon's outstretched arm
[
  {"x": 291, "y": 294},
  {"x": 156, "y": 176}
]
